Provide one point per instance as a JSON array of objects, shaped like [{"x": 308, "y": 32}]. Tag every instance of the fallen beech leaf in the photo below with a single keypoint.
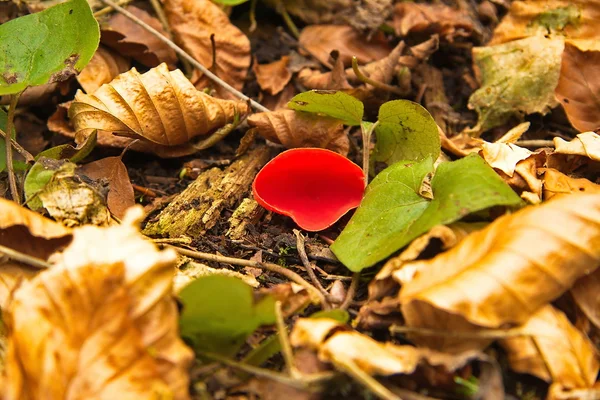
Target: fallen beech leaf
[
  {"x": 295, "y": 129},
  {"x": 517, "y": 77},
  {"x": 160, "y": 106},
  {"x": 585, "y": 293},
  {"x": 585, "y": 144},
  {"x": 393, "y": 213},
  {"x": 558, "y": 184},
  {"x": 127, "y": 37},
  {"x": 102, "y": 68},
  {"x": 506, "y": 272},
  {"x": 315, "y": 187},
  {"x": 273, "y": 77},
  {"x": 578, "y": 87},
  {"x": 193, "y": 22},
  {"x": 504, "y": 156},
  {"x": 120, "y": 192},
  {"x": 575, "y": 19},
  {"x": 321, "y": 40},
  {"x": 446, "y": 21},
  {"x": 553, "y": 350},
  {"x": 12, "y": 275},
  {"x": 104, "y": 322}
]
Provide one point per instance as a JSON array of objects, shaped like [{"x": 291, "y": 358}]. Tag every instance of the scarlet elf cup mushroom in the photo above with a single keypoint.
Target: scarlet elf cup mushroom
[{"x": 313, "y": 186}]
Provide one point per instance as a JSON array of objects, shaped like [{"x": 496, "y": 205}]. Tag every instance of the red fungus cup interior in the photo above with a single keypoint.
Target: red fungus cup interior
[{"x": 313, "y": 186}]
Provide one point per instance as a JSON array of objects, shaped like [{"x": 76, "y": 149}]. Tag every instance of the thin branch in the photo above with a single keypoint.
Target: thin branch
[
  {"x": 315, "y": 294},
  {"x": 28, "y": 156},
  {"x": 284, "y": 341},
  {"x": 107, "y": 10},
  {"x": 351, "y": 291},
  {"x": 24, "y": 258},
  {"x": 186, "y": 56},
  {"x": 535, "y": 143},
  {"x": 365, "y": 379},
  {"x": 12, "y": 181},
  {"x": 308, "y": 266},
  {"x": 478, "y": 334},
  {"x": 380, "y": 85}
]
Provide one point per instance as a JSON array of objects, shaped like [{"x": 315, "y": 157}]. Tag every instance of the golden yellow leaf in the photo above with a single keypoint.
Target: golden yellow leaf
[
  {"x": 585, "y": 144},
  {"x": 585, "y": 293},
  {"x": 160, "y": 106},
  {"x": 104, "y": 66},
  {"x": 273, "y": 77},
  {"x": 100, "y": 324},
  {"x": 557, "y": 184},
  {"x": 504, "y": 156},
  {"x": 299, "y": 129},
  {"x": 12, "y": 274},
  {"x": 193, "y": 22},
  {"x": 553, "y": 350},
  {"x": 506, "y": 272}
]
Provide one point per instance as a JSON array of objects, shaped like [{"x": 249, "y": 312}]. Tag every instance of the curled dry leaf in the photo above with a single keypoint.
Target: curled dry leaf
[
  {"x": 578, "y": 87},
  {"x": 128, "y": 38},
  {"x": 105, "y": 66},
  {"x": 321, "y": 40},
  {"x": 161, "y": 106},
  {"x": 558, "y": 184},
  {"x": 504, "y": 156},
  {"x": 506, "y": 272},
  {"x": 273, "y": 77},
  {"x": 585, "y": 293},
  {"x": 446, "y": 21},
  {"x": 553, "y": 350},
  {"x": 585, "y": 144},
  {"x": 193, "y": 23},
  {"x": 300, "y": 129},
  {"x": 104, "y": 322}
]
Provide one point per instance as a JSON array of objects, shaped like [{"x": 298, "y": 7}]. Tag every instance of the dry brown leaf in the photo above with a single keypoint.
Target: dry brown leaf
[
  {"x": 193, "y": 22},
  {"x": 506, "y": 272},
  {"x": 273, "y": 77},
  {"x": 280, "y": 100},
  {"x": 446, "y": 21},
  {"x": 333, "y": 80},
  {"x": 321, "y": 40},
  {"x": 575, "y": 19},
  {"x": 104, "y": 66},
  {"x": 299, "y": 129},
  {"x": 13, "y": 274},
  {"x": 558, "y": 184},
  {"x": 100, "y": 324},
  {"x": 585, "y": 144},
  {"x": 558, "y": 392},
  {"x": 586, "y": 293},
  {"x": 130, "y": 39},
  {"x": 504, "y": 156},
  {"x": 160, "y": 106},
  {"x": 578, "y": 87},
  {"x": 553, "y": 350},
  {"x": 120, "y": 192}
]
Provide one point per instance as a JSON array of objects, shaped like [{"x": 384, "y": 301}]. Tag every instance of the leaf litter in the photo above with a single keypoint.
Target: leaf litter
[{"x": 464, "y": 134}]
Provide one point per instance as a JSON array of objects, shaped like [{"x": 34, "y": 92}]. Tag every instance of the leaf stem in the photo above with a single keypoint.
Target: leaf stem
[
  {"x": 380, "y": 85},
  {"x": 308, "y": 266},
  {"x": 366, "y": 138},
  {"x": 284, "y": 341},
  {"x": 12, "y": 181},
  {"x": 186, "y": 56},
  {"x": 24, "y": 258},
  {"x": 28, "y": 156},
  {"x": 106, "y": 10},
  {"x": 351, "y": 291}
]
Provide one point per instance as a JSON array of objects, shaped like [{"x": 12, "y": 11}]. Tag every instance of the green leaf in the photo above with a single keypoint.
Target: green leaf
[
  {"x": 45, "y": 47},
  {"x": 393, "y": 213},
  {"x": 517, "y": 78},
  {"x": 73, "y": 154},
  {"x": 338, "y": 105},
  {"x": 335, "y": 314},
  {"x": 40, "y": 174},
  {"x": 405, "y": 131},
  {"x": 220, "y": 312}
]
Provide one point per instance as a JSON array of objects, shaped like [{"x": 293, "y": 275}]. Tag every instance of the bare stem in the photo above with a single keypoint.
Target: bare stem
[
  {"x": 314, "y": 293},
  {"x": 351, "y": 291},
  {"x": 12, "y": 181},
  {"x": 287, "y": 19},
  {"x": 284, "y": 341},
  {"x": 380, "y": 85},
  {"x": 478, "y": 334},
  {"x": 24, "y": 258},
  {"x": 28, "y": 156},
  {"x": 308, "y": 266},
  {"x": 365, "y": 379},
  {"x": 366, "y": 137},
  {"x": 535, "y": 143},
  {"x": 106, "y": 10},
  {"x": 186, "y": 56}
]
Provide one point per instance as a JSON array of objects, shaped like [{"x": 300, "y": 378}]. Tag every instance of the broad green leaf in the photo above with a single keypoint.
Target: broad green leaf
[
  {"x": 405, "y": 131},
  {"x": 73, "y": 154},
  {"x": 220, "y": 312},
  {"x": 338, "y": 105},
  {"x": 392, "y": 213},
  {"x": 40, "y": 174},
  {"x": 45, "y": 47},
  {"x": 517, "y": 78}
]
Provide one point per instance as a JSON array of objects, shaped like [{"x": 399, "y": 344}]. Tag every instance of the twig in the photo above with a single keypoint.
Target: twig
[
  {"x": 143, "y": 190},
  {"x": 284, "y": 341},
  {"x": 365, "y": 379},
  {"x": 186, "y": 56},
  {"x": 479, "y": 334},
  {"x": 351, "y": 291},
  {"x": 12, "y": 181},
  {"x": 308, "y": 266},
  {"x": 253, "y": 23},
  {"x": 291, "y": 275},
  {"x": 287, "y": 19},
  {"x": 380, "y": 85},
  {"x": 106, "y": 10},
  {"x": 28, "y": 156},
  {"x": 24, "y": 258},
  {"x": 535, "y": 143}
]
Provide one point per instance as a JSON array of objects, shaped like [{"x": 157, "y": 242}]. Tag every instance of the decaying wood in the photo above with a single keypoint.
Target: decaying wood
[
  {"x": 199, "y": 207},
  {"x": 248, "y": 213}
]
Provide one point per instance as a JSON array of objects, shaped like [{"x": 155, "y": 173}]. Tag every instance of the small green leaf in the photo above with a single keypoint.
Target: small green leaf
[
  {"x": 393, "y": 213},
  {"x": 335, "y": 314},
  {"x": 45, "y": 47},
  {"x": 220, "y": 312},
  {"x": 40, "y": 174},
  {"x": 335, "y": 104},
  {"x": 73, "y": 154},
  {"x": 405, "y": 131}
]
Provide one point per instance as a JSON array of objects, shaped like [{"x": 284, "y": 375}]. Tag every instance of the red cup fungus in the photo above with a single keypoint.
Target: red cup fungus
[{"x": 315, "y": 187}]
